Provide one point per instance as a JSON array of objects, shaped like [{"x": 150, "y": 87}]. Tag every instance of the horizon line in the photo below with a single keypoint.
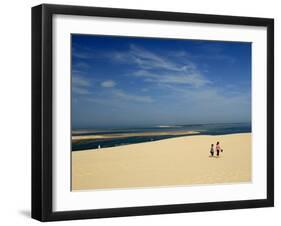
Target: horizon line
[{"x": 156, "y": 126}]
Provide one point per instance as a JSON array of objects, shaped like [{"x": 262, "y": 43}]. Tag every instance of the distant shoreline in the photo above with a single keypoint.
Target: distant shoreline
[
  {"x": 192, "y": 133},
  {"x": 77, "y": 131},
  {"x": 94, "y": 139},
  {"x": 124, "y": 135}
]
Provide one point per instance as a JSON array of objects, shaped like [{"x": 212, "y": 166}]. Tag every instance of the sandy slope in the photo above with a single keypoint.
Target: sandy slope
[{"x": 175, "y": 161}]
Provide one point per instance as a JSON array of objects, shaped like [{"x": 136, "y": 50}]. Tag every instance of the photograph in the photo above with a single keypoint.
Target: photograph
[
  {"x": 159, "y": 112},
  {"x": 146, "y": 112}
]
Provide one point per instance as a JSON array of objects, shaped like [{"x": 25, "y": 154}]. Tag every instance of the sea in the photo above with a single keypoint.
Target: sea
[{"x": 202, "y": 129}]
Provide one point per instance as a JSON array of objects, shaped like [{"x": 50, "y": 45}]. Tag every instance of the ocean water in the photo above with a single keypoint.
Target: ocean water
[{"x": 203, "y": 129}]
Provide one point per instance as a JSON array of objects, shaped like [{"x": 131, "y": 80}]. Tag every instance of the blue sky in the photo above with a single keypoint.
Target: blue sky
[{"x": 128, "y": 82}]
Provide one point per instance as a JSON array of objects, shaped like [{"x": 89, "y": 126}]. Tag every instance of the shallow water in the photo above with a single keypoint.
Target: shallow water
[{"x": 203, "y": 129}]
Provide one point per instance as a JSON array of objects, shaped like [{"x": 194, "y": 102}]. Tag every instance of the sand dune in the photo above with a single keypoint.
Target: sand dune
[{"x": 169, "y": 162}]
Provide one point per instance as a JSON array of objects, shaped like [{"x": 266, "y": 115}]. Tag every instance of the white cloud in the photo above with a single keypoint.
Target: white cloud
[
  {"x": 144, "y": 59},
  {"x": 80, "y": 81},
  {"x": 174, "y": 68},
  {"x": 80, "y": 90},
  {"x": 81, "y": 66},
  {"x": 190, "y": 79},
  {"x": 108, "y": 84},
  {"x": 131, "y": 97},
  {"x": 193, "y": 78},
  {"x": 149, "y": 60},
  {"x": 116, "y": 97},
  {"x": 80, "y": 85}
]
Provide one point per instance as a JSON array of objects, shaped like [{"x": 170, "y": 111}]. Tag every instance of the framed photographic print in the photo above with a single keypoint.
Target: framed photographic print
[{"x": 145, "y": 112}]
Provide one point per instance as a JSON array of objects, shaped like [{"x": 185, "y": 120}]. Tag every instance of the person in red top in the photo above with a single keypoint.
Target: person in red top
[{"x": 218, "y": 148}]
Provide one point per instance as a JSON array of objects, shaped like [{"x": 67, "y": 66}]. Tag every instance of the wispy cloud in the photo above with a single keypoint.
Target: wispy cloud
[
  {"x": 79, "y": 90},
  {"x": 81, "y": 52},
  {"x": 82, "y": 66},
  {"x": 145, "y": 59},
  {"x": 175, "y": 67},
  {"x": 80, "y": 81},
  {"x": 159, "y": 81},
  {"x": 108, "y": 84},
  {"x": 214, "y": 52},
  {"x": 170, "y": 69},
  {"x": 148, "y": 60},
  {"x": 212, "y": 98},
  {"x": 80, "y": 85},
  {"x": 193, "y": 78},
  {"x": 131, "y": 97}
]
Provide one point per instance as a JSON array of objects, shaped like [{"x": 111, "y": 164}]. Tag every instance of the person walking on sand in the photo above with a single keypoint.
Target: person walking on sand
[
  {"x": 212, "y": 150},
  {"x": 218, "y": 148}
]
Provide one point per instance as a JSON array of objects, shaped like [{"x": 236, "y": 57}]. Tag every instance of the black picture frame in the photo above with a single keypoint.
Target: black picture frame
[{"x": 42, "y": 111}]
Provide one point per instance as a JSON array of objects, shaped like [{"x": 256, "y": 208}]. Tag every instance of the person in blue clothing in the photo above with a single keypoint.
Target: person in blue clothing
[{"x": 212, "y": 150}]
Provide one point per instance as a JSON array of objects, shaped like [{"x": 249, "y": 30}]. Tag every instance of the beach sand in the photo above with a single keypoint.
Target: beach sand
[
  {"x": 78, "y": 138},
  {"x": 169, "y": 162}
]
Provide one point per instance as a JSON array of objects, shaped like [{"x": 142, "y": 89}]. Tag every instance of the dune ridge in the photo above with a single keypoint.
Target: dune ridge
[{"x": 169, "y": 162}]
